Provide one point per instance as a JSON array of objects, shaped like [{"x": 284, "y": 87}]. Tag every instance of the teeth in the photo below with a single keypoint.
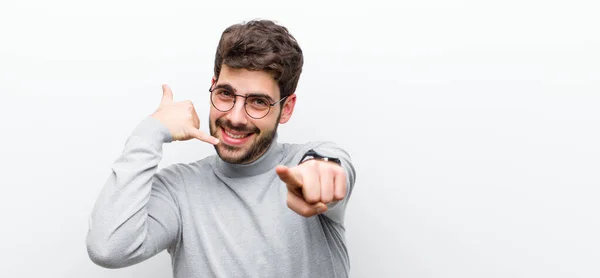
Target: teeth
[{"x": 236, "y": 136}]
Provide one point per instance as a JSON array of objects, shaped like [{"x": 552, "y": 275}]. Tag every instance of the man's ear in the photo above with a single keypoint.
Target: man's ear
[
  {"x": 212, "y": 81},
  {"x": 287, "y": 109}
]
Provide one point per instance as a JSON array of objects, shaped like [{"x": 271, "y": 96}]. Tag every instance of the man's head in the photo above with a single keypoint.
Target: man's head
[{"x": 261, "y": 61}]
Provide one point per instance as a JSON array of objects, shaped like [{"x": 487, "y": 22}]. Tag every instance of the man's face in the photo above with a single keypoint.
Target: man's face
[{"x": 244, "y": 139}]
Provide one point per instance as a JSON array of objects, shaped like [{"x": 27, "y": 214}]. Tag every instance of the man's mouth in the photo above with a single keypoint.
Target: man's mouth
[{"x": 236, "y": 135}]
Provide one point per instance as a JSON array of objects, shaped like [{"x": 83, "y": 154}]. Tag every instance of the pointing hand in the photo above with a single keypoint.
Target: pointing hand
[{"x": 312, "y": 185}]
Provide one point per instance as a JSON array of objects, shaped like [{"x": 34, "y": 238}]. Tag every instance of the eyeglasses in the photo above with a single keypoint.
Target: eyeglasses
[{"x": 256, "y": 106}]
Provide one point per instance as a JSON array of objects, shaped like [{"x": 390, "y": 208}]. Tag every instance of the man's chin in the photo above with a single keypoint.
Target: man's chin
[
  {"x": 231, "y": 154},
  {"x": 244, "y": 153}
]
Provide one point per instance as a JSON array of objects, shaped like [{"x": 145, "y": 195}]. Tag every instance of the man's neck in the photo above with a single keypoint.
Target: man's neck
[{"x": 265, "y": 162}]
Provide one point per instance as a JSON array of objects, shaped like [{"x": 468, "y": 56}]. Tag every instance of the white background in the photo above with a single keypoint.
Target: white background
[{"x": 474, "y": 127}]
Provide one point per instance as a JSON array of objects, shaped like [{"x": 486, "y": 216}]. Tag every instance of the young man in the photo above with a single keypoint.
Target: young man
[{"x": 258, "y": 208}]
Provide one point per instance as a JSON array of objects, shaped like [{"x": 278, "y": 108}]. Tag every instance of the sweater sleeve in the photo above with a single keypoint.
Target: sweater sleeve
[{"x": 136, "y": 216}]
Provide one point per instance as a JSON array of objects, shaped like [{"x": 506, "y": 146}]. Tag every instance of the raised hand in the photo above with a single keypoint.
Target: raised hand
[
  {"x": 312, "y": 185},
  {"x": 181, "y": 119}
]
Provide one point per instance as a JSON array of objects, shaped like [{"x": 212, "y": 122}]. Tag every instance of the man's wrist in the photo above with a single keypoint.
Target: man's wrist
[{"x": 313, "y": 155}]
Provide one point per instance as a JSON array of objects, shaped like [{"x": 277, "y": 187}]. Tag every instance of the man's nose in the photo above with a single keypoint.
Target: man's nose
[{"x": 237, "y": 114}]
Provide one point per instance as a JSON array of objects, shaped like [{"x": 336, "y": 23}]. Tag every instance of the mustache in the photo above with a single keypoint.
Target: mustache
[{"x": 227, "y": 124}]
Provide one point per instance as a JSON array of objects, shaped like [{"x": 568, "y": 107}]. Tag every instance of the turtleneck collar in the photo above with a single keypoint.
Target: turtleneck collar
[{"x": 267, "y": 162}]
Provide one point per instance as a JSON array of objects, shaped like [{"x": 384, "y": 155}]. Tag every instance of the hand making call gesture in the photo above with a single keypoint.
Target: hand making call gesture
[
  {"x": 181, "y": 119},
  {"x": 312, "y": 185}
]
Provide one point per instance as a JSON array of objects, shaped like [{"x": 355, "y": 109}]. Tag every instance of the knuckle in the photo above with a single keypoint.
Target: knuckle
[
  {"x": 312, "y": 198},
  {"x": 328, "y": 167},
  {"x": 310, "y": 163},
  {"x": 331, "y": 170}
]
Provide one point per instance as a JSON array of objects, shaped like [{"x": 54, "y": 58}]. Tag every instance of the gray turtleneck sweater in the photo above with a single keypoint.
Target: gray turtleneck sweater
[{"x": 214, "y": 218}]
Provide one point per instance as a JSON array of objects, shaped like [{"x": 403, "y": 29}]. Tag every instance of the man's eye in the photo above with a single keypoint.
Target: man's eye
[
  {"x": 224, "y": 93},
  {"x": 259, "y": 101}
]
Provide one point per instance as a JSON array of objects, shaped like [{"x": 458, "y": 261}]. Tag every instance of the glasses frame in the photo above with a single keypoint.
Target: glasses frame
[{"x": 245, "y": 102}]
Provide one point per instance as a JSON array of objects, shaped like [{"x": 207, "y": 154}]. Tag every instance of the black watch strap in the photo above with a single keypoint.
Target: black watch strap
[{"x": 312, "y": 154}]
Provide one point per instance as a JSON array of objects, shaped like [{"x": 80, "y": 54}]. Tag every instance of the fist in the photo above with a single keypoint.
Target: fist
[
  {"x": 312, "y": 185},
  {"x": 180, "y": 118}
]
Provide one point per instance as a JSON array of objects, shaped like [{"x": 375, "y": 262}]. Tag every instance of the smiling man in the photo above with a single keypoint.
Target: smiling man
[
  {"x": 258, "y": 208},
  {"x": 244, "y": 138}
]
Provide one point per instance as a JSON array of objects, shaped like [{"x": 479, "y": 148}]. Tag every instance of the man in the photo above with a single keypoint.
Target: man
[{"x": 258, "y": 208}]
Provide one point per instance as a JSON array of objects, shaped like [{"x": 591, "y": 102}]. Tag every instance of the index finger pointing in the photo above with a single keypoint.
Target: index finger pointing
[{"x": 288, "y": 176}]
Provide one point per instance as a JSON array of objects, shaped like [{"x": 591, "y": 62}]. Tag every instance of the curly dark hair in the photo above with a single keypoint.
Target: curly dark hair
[{"x": 262, "y": 45}]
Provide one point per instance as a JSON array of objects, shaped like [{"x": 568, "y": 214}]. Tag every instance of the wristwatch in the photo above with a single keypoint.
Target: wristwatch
[{"x": 312, "y": 154}]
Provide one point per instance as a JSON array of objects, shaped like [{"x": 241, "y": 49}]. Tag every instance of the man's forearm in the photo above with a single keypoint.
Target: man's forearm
[{"x": 121, "y": 233}]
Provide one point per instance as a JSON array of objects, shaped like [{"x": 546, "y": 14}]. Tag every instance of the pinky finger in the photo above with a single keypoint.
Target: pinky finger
[
  {"x": 340, "y": 186},
  {"x": 204, "y": 137}
]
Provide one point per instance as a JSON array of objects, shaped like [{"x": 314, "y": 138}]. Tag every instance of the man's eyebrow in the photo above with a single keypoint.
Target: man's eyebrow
[
  {"x": 261, "y": 95},
  {"x": 230, "y": 88},
  {"x": 226, "y": 87}
]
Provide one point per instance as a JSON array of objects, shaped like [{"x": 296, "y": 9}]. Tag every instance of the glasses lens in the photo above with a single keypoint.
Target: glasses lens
[
  {"x": 257, "y": 107},
  {"x": 222, "y": 100}
]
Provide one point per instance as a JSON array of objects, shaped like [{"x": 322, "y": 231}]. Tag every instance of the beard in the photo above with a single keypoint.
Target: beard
[{"x": 243, "y": 155}]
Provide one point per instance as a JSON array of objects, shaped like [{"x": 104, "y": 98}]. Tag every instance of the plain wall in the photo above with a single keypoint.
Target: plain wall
[{"x": 474, "y": 126}]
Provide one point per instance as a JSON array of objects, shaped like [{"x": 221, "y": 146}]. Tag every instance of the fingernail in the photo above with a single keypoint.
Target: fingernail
[{"x": 319, "y": 210}]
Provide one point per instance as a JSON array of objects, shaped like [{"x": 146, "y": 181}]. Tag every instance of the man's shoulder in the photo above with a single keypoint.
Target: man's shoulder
[{"x": 176, "y": 173}]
